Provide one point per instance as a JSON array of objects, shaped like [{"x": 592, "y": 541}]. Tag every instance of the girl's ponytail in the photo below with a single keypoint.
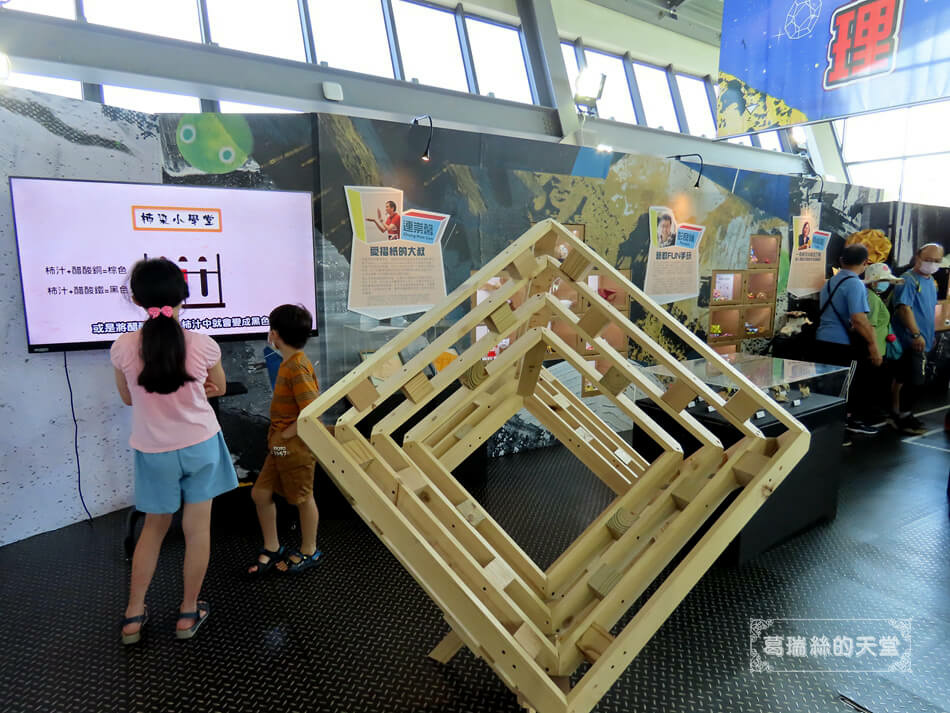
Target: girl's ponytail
[{"x": 158, "y": 285}]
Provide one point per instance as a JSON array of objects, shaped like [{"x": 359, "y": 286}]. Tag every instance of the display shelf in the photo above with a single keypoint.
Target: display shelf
[
  {"x": 727, "y": 287},
  {"x": 725, "y": 323},
  {"x": 760, "y": 286},
  {"x": 725, "y": 348},
  {"x": 758, "y": 319},
  {"x": 764, "y": 251}
]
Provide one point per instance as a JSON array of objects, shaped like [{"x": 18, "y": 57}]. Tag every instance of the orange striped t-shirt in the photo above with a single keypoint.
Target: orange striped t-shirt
[{"x": 296, "y": 386}]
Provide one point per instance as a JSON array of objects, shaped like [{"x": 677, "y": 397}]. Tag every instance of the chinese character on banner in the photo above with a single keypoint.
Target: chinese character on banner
[
  {"x": 889, "y": 645},
  {"x": 843, "y": 646},
  {"x": 193, "y": 219},
  {"x": 208, "y": 219},
  {"x": 422, "y": 252},
  {"x": 774, "y": 646},
  {"x": 796, "y": 646},
  {"x": 863, "y": 42},
  {"x": 98, "y": 328},
  {"x": 819, "y": 646}
]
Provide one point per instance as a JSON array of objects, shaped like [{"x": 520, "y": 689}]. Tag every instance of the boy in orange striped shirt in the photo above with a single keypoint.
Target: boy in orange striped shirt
[{"x": 289, "y": 466}]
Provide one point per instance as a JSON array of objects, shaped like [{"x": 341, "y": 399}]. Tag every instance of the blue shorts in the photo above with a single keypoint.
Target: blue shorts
[{"x": 196, "y": 473}]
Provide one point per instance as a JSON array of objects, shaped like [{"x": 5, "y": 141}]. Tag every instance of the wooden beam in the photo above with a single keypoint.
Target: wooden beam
[{"x": 446, "y": 649}]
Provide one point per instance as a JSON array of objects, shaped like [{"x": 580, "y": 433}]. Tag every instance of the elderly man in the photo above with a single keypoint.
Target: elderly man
[{"x": 913, "y": 308}]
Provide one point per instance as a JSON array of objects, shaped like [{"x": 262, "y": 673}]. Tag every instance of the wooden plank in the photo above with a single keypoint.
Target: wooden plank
[
  {"x": 362, "y": 395},
  {"x": 360, "y": 451},
  {"x": 446, "y": 649},
  {"x": 502, "y": 320},
  {"x": 742, "y": 405},
  {"x": 576, "y": 265},
  {"x": 499, "y": 573},
  {"x": 614, "y": 381},
  {"x": 471, "y": 511},
  {"x": 418, "y": 388},
  {"x": 593, "y": 321},
  {"x": 529, "y": 640},
  {"x": 478, "y": 433},
  {"x": 531, "y": 369},
  {"x": 595, "y": 641},
  {"x": 679, "y": 394},
  {"x": 750, "y": 466},
  {"x": 604, "y": 580},
  {"x": 687, "y": 487},
  {"x": 524, "y": 266}
]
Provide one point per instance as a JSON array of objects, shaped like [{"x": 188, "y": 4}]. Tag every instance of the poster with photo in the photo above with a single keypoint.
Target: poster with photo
[
  {"x": 396, "y": 265},
  {"x": 673, "y": 264},
  {"x": 807, "y": 270}
]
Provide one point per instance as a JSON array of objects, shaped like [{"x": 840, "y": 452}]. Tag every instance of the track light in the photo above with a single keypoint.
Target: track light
[
  {"x": 415, "y": 120},
  {"x": 588, "y": 88},
  {"x": 680, "y": 157}
]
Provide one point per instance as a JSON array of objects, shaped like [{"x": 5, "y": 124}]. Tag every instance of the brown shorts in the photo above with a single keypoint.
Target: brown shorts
[{"x": 288, "y": 469}]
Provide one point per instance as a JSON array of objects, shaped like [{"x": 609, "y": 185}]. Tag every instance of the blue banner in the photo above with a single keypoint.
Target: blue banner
[{"x": 785, "y": 62}]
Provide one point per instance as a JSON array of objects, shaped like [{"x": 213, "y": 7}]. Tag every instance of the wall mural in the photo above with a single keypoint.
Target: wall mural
[{"x": 493, "y": 187}]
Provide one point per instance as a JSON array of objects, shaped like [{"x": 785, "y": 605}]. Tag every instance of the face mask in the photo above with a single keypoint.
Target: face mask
[
  {"x": 882, "y": 286},
  {"x": 928, "y": 268}
]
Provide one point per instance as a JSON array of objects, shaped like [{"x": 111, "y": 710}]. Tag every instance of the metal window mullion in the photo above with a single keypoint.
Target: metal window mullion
[
  {"x": 468, "y": 60},
  {"x": 529, "y": 67},
  {"x": 204, "y": 24},
  {"x": 713, "y": 101},
  {"x": 394, "y": 53},
  {"x": 90, "y": 92},
  {"x": 303, "y": 9},
  {"x": 784, "y": 141},
  {"x": 635, "y": 97},
  {"x": 677, "y": 100},
  {"x": 754, "y": 138}
]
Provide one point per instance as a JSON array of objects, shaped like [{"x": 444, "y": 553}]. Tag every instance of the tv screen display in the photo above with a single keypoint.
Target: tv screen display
[{"x": 243, "y": 252}]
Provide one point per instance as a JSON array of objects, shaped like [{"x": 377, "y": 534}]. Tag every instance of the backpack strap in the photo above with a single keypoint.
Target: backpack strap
[{"x": 845, "y": 324}]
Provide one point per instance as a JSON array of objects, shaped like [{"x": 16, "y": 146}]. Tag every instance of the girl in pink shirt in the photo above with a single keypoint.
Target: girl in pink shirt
[{"x": 166, "y": 375}]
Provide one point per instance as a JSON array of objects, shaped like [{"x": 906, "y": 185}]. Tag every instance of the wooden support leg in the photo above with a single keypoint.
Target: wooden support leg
[{"x": 450, "y": 645}]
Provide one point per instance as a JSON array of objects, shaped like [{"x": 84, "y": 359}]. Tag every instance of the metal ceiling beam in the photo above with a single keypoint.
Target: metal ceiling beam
[{"x": 97, "y": 55}]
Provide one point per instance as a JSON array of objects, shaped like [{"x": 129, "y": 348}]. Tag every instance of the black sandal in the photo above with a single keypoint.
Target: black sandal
[
  {"x": 136, "y": 635},
  {"x": 199, "y": 620},
  {"x": 303, "y": 563},
  {"x": 264, "y": 567}
]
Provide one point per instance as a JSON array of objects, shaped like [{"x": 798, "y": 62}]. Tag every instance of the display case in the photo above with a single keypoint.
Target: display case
[
  {"x": 764, "y": 251},
  {"x": 757, "y": 322},
  {"x": 727, "y": 287},
  {"x": 760, "y": 286},
  {"x": 725, "y": 323}
]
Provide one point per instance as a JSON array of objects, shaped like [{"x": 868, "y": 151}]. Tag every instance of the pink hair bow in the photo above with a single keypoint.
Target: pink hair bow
[{"x": 153, "y": 312}]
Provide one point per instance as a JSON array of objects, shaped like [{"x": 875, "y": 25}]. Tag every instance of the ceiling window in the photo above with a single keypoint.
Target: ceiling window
[
  {"x": 150, "y": 102},
  {"x": 50, "y": 85},
  {"x": 499, "y": 60},
  {"x": 177, "y": 19},
  {"x": 770, "y": 140},
  {"x": 879, "y": 174},
  {"x": 655, "y": 94},
  {"x": 271, "y": 28},
  {"x": 351, "y": 35},
  {"x": 429, "y": 44},
  {"x": 743, "y": 140},
  {"x": 695, "y": 98},
  {"x": 615, "y": 103},
  {"x": 875, "y": 136},
  {"x": 66, "y": 9}
]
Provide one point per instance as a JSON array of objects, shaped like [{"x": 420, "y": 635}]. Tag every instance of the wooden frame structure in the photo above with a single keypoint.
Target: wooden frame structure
[{"x": 535, "y": 628}]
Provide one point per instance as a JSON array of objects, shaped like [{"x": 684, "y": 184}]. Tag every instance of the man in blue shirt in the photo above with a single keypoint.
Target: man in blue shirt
[
  {"x": 913, "y": 306},
  {"x": 845, "y": 334}
]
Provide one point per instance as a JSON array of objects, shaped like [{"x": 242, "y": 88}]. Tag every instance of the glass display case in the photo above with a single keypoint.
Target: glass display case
[
  {"x": 764, "y": 252},
  {"x": 760, "y": 286},
  {"x": 727, "y": 286}
]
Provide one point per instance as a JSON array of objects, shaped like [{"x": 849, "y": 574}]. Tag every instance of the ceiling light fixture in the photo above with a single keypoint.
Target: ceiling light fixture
[
  {"x": 415, "y": 120},
  {"x": 588, "y": 88},
  {"x": 702, "y": 165}
]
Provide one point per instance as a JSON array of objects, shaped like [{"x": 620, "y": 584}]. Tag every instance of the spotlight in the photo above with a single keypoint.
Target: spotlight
[
  {"x": 588, "y": 88},
  {"x": 680, "y": 157},
  {"x": 604, "y": 148},
  {"x": 5, "y": 67},
  {"x": 415, "y": 120}
]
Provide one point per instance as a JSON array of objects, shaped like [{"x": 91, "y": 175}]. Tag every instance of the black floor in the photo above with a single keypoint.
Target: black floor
[{"x": 352, "y": 635}]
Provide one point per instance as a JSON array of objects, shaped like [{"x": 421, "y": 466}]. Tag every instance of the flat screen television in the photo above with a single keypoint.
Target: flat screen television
[{"x": 243, "y": 252}]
